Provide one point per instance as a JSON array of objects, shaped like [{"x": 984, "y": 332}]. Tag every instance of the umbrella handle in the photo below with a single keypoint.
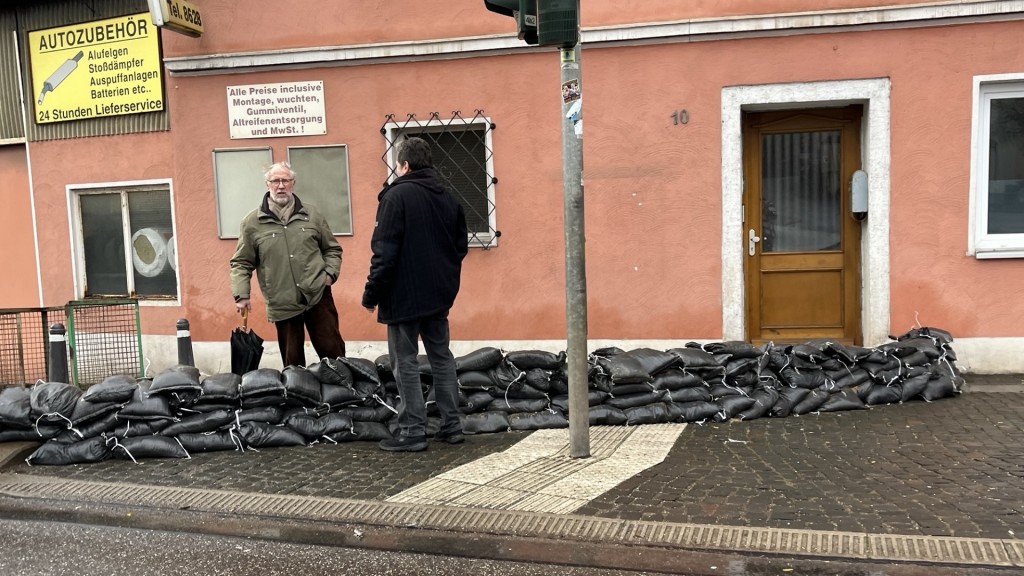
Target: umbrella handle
[{"x": 245, "y": 319}]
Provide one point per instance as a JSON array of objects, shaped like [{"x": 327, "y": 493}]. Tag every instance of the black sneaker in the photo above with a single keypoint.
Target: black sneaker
[
  {"x": 404, "y": 444},
  {"x": 454, "y": 437}
]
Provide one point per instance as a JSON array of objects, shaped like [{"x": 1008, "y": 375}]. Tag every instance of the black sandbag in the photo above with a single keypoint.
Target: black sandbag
[
  {"x": 177, "y": 378},
  {"x": 633, "y": 400},
  {"x": 637, "y": 388},
  {"x": 863, "y": 390},
  {"x": 476, "y": 380},
  {"x": 96, "y": 426},
  {"x": 697, "y": 411},
  {"x": 307, "y": 424},
  {"x": 733, "y": 349},
  {"x": 265, "y": 414},
  {"x": 814, "y": 399},
  {"x": 764, "y": 399},
  {"x": 485, "y": 422},
  {"x": 213, "y": 406},
  {"x": 140, "y": 447},
  {"x": 53, "y": 401},
  {"x": 942, "y": 384},
  {"x": 694, "y": 357},
  {"x": 723, "y": 390},
  {"x": 15, "y": 407},
  {"x": 695, "y": 394},
  {"x": 275, "y": 398},
  {"x": 260, "y": 435},
  {"x": 300, "y": 383},
  {"x": 788, "y": 399},
  {"x": 607, "y": 352},
  {"x": 842, "y": 400},
  {"x": 529, "y": 359},
  {"x": 115, "y": 388},
  {"x": 747, "y": 379},
  {"x": 144, "y": 406},
  {"x": 476, "y": 401},
  {"x": 890, "y": 394},
  {"x": 129, "y": 428},
  {"x": 852, "y": 377},
  {"x": 523, "y": 391},
  {"x": 538, "y": 378},
  {"x": 480, "y": 360},
  {"x": 537, "y": 420},
  {"x": 216, "y": 441},
  {"x": 657, "y": 413},
  {"x": 504, "y": 374},
  {"x": 914, "y": 386},
  {"x": 515, "y": 405},
  {"x": 594, "y": 398},
  {"x": 674, "y": 378},
  {"x": 199, "y": 423},
  {"x": 85, "y": 412},
  {"x": 362, "y": 369},
  {"x": 53, "y": 453},
  {"x": 338, "y": 395},
  {"x": 736, "y": 366},
  {"x": 606, "y": 416},
  {"x": 637, "y": 365},
  {"x": 30, "y": 434},
  {"x": 221, "y": 387},
  {"x": 262, "y": 381},
  {"x": 378, "y": 413},
  {"x": 730, "y": 406},
  {"x": 331, "y": 371},
  {"x": 362, "y": 431},
  {"x": 809, "y": 378}
]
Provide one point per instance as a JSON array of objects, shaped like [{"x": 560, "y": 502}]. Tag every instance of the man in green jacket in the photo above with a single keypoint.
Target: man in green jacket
[{"x": 296, "y": 258}]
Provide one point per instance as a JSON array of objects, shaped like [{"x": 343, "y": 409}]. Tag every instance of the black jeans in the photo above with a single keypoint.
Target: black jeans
[
  {"x": 403, "y": 349},
  {"x": 322, "y": 323}
]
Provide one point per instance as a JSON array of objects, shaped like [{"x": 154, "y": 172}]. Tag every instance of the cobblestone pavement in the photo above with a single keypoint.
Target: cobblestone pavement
[{"x": 953, "y": 467}]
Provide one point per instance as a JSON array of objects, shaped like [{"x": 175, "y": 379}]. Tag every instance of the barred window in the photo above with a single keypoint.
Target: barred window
[{"x": 461, "y": 149}]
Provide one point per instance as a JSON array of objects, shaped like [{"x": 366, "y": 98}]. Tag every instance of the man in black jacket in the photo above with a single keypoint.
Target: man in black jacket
[{"x": 418, "y": 245}]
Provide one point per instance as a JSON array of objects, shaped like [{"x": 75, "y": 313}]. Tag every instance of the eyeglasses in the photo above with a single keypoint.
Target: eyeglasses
[{"x": 279, "y": 181}]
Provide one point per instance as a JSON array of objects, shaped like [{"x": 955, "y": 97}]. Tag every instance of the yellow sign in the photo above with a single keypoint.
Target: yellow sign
[
  {"x": 93, "y": 69},
  {"x": 177, "y": 15}
]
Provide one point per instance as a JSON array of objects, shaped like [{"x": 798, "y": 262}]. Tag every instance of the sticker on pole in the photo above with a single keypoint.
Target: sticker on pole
[{"x": 575, "y": 115}]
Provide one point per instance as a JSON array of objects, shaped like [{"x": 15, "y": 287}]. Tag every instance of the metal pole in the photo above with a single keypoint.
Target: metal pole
[
  {"x": 185, "y": 357},
  {"x": 58, "y": 355},
  {"x": 575, "y": 253}
]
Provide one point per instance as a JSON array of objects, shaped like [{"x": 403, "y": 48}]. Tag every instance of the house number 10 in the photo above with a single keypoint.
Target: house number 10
[{"x": 680, "y": 117}]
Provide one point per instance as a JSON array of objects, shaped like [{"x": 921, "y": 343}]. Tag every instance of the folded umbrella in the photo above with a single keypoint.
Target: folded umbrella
[{"x": 246, "y": 347}]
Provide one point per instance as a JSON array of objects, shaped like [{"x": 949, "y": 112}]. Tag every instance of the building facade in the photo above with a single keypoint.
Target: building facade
[{"x": 753, "y": 170}]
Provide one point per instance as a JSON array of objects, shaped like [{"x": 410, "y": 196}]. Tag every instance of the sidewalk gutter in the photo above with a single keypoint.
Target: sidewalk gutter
[{"x": 501, "y": 535}]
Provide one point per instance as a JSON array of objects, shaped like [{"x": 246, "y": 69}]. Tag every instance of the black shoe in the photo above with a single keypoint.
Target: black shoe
[
  {"x": 454, "y": 437},
  {"x": 404, "y": 444}
]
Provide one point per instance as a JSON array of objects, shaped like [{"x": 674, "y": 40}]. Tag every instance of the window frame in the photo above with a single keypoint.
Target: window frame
[
  {"x": 346, "y": 185},
  {"x": 980, "y": 243},
  {"x": 74, "y": 193},
  {"x": 253, "y": 176},
  {"x": 485, "y": 240}
]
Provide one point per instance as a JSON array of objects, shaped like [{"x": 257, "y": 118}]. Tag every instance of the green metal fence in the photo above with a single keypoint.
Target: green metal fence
[{"x": 103, "y": 338}]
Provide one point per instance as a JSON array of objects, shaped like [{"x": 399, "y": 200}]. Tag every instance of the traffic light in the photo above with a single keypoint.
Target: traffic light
[
  {"x": 525, "y": 13},
  {"x": 558, "y": 23}
]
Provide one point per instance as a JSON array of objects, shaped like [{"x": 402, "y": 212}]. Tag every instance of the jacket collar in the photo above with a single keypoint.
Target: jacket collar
[{"x": 299, "y": 209}]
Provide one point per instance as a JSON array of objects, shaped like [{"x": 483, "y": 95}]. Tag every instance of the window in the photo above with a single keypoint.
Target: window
[
  {"x": 239, "y": 186},
  {"x": 126, "y": 241},
  {"x": 461, "y": 149},
  {"x": 321, "y": 179},
  {"x": 998, "y": 168}
]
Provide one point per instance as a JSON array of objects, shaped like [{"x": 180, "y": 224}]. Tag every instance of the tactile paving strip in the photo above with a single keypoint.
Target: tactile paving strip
[{"x": 537, "y": 474}]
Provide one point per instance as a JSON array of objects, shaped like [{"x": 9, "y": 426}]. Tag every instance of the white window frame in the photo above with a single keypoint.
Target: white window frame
[
  {"x": 980, "y": 243},
  {"x": 479, "y": 240},
  {"x": 74, "y": 191}
]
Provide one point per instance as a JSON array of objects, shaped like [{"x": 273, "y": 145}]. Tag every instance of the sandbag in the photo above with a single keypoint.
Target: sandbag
[
  {"x": 485, "y": 422},
  {"x": 513, "y": 405},
  {"x": 539, "y": 379},
  {"x": 637, "y": 365},
  {"x": 266, "y": 414},
  {"x": 523, "y": 391},
  {"x": 259, "y": 382},
  {"x": 53, "y": 401},
  {"x": 131, "y": 428},
  {"x": 537, "y": 420},
  {"x": 475, "y": 379},
  {"x": 362, "y": 431},
  {"x": 301, "y": 384},
  {"x": 764, "y": 399},
  {"x": 788, "y": 399},
  {"x": 15, "y": 407},
  {"x": 476, "y": 401},
  {"x": 480, "y": 360},
  {"x": 332, "y": 371},
  {"x": 216, "y": 441},
  {"x": 733, "y": 349},
  {"x": 695, "y": 394},
  {"x": 606, "y": 416},
  {"x": 199, "y": 423},
  {"x": 221, "y": 387},
  {"x": 361, "y": 369},
  {"x": 530, "y": 359},
  {"x": 696, "y": 411},
  {"x": 140, "y": 447},
  {"x": 178, "y": 378},
  {"x": 890, "y": 394},
  {"x": 88, "y": 411},
  {"x": 504, "y": 374},
  {"x": 378, "y": 413},
  {"x": 730, "y": 406},
  {"x": 694, "y": 357},
  {"x": 674, "y": 378},
  {"x": 914, "y": 386},
  {"x": 656, "y": 413},
  {"x": 144, "y": 406},
  {"x": 260, "y": 435},
  {"x": 116, "y": 388},
  {"x": 633, "y": 400},
  {"x": 53, "y": 453},
  {"x": 842, "y": 400},
  {"x": 338, "y": 395}
]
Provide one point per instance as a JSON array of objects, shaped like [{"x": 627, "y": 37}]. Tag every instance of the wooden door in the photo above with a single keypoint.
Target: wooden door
[{"x": 801, "y": 241}]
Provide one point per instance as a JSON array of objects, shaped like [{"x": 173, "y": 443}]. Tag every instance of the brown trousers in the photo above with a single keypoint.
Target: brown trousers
[{"x": 322, "y": 323}]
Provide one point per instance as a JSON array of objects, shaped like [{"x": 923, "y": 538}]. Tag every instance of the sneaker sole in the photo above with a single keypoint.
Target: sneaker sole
[
  {"x": 408, "y": 448},
  {"x": 452, "y": 439}
]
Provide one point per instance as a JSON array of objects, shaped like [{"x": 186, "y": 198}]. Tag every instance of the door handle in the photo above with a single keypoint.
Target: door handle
[{"x": 752, "y": 240}]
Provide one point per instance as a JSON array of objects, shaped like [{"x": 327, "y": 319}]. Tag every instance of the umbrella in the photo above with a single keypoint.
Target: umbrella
[{"x": 246, "y": 347}]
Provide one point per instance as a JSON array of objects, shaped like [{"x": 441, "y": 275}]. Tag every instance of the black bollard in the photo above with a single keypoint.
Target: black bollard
[
  {"x": 185, "y": 357},
  {"x": 58, "y": 371}
]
